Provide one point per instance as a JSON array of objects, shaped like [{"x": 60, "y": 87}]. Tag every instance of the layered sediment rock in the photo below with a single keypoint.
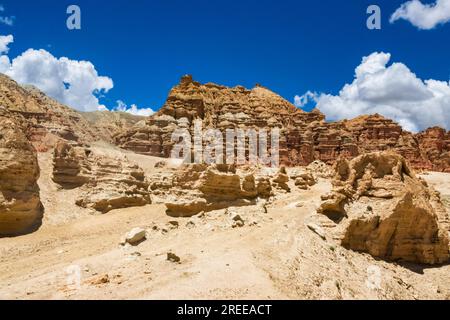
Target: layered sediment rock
[
  {"x": 379, "y": 206},
  {"x": 198, "y": 187},
  {"x": 435, "y": 148},
  {"x": 304, "y": 136},
  {"x": 20, "y": 206},
  {"x": 210, "y": 188},
  {"x": 106, "y": 183},
  {"x": 47, "y": 121}
]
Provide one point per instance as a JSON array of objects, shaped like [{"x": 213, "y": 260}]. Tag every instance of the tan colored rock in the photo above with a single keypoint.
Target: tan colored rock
[
  {"x": 320, "y": 169},
  {"x": 281, "y": 180},
  {"x": 134, "y": 237},
  {"x": 47, "y": 121},
  {"x": 305, "y": 181},
  {"x": 71, "y": 166},
  {"x": 20, "y": 206},
  {"x": 305, "y": 136},
  {"x": 379, "y": 206},
  {"x": 197, "y": 187},
  {"x": 106, "y": 183}
]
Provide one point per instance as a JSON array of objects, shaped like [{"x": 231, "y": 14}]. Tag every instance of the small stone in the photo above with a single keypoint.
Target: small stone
[
  {"x": 238, "y": 222},
  {"x": 134, "y": 237},
  {"x": 172, "y": 257},
  {"x": 102, "y": 279},
  {"x": 173, "y": 224},
  {"x": 190, "y": 224}
]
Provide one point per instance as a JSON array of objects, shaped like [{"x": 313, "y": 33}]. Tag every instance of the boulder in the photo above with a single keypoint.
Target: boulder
[
  {"x": 379, "y": 206},
  {"x": 305, "y": 180},
  {"x": 134, "y": 237}
]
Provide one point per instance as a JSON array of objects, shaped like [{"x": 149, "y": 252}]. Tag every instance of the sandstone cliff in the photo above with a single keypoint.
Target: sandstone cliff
[
  {"x": 20, "y": 206},
  {"x": 305, "y": 136}
]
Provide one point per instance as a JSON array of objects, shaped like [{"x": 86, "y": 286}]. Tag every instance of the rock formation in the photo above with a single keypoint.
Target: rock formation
[
  {"x": 305, "y": 180},
  {"x": 320, "y": 169},
  {"x": 106, "y": 183},
  {"x": 379, "y": 206},
  {"x": 20, "y": 206},
  {"x": 305, "y": 136},
  {"x": 108, "y": 124},
  {"x": 47, "y": 121},
  {"x": 435, "y": 147},
  {"x": 198, "y": 187}
]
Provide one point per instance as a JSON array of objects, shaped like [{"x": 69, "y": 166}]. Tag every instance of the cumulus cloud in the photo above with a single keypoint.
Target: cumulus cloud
[
  {"x": 74, "y": 83},
  {"x": 133, "y": 109},
  {"x": 423, "y": 16},
  {"x": 393, "y": 91}
]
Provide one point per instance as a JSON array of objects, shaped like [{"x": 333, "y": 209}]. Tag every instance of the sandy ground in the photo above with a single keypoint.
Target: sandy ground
[{"x": 76, "y": 254}]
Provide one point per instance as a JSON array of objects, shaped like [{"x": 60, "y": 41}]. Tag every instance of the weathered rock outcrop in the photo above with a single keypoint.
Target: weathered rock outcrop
[
  {"x": 305, "y": 136},
  {"x": 379, "y": 206},
  {"x": 108, "y": 124},
  {"x": 20, "y": 206},
  {"x": 198, "y": 187},
  {"x": 106, "y": 183},
  {"x": 435, "y": 148},
  {"x": 71, "y": 165},
  {"x": 46, "y": 120}
]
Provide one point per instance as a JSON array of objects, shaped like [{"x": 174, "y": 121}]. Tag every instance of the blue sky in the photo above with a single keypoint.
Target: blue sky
[{"x": 289, "y": 46}]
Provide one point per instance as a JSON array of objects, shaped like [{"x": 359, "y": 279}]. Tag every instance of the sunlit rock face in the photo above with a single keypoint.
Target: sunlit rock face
[
  {"x": 379, "y": 206},
  {"x": 20, "y": 206},
  {"x": 304, "y": 136}
]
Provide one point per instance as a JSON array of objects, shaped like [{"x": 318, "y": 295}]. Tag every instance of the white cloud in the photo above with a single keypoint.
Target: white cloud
[
  {"x": 423, "y": 16},
  {"x": 393, "y": 91},
  {"x": 4, "y": 59},
  {"x": 133, "y": 109},
  {"x": 301, "y": 101},
  {"x": 4, "y": 43},
  {"x": 74, "y": 83},
  {"x": 8, "y": 20}
]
